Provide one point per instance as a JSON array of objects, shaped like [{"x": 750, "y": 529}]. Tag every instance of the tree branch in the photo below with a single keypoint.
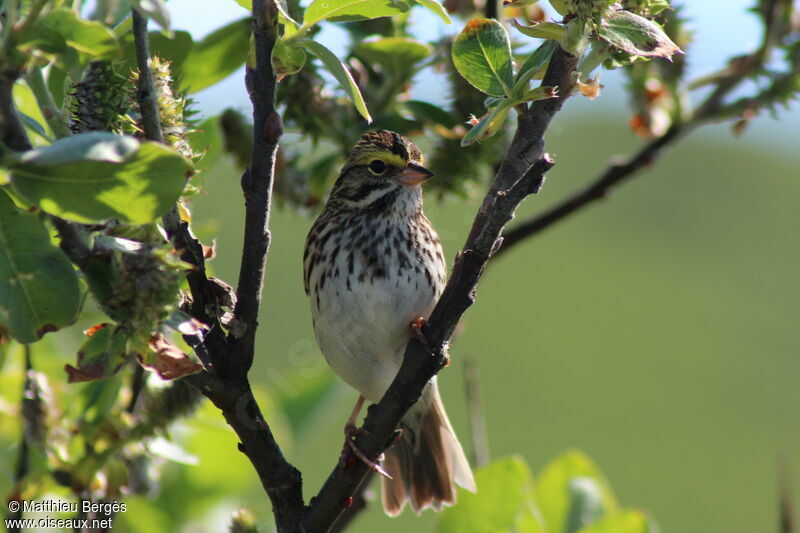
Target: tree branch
[
  {"x": 146, "y": 91},
  {"x": 257, "y": 180},
  {"x": 225, "y": 381},
  {"x": 12, "y": 132},
  {"x": 23, "y": 455},
  {"x": 521, "y": 173},
  {"x": 477, "y": 418}
]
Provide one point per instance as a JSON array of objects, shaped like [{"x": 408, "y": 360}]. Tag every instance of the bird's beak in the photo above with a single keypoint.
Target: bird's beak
[{"x": 413, "y": 174}]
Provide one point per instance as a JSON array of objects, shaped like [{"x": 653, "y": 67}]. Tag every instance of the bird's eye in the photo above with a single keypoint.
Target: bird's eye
[{"x": 377, "y": 167}]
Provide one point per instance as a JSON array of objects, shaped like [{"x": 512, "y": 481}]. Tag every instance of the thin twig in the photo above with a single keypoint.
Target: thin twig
[
  {"x": 50, "y": 111},
  {"x": 146, "y": 89},
  {"x": 521, "y": 173},
  {"x": 33, "y": 13},
  {"x": 788, "y": 517},
  {"x": 477, "y": 417},
  {"x": 188, "y": 247},
  {"x": 257, "y": 180},
  {"x": 23, "y": 454}
]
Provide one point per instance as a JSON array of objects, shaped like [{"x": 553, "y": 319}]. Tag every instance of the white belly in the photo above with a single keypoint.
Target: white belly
[{"x": 363, "y": 331}]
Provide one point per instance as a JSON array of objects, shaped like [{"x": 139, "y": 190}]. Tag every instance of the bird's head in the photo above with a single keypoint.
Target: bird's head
[{"x": 382, "y": 167}]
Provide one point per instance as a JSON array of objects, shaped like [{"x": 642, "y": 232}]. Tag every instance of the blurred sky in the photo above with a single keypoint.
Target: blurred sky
[{"x": 720, "y": 32}]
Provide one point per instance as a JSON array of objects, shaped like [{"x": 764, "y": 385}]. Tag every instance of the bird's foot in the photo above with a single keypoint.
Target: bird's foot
[
  {"x": 350, "y": 433},
  {"x": 416, "y": 330}
]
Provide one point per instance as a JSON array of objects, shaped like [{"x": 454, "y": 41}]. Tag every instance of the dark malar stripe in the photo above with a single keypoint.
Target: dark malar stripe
[{"x": 363, "y": 190}]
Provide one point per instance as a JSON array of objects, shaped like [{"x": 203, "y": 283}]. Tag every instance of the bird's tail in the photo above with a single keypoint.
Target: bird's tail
[{"x": 427, "y": 462}]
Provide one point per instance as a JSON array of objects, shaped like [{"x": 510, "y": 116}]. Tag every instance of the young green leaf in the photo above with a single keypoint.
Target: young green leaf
[
  {"x": 436, "y": 8},
  {"x": 533, "y": 64},
  {"x": 637, "y": 35},
  {"x": 351, "y": 10},
  {"x": 428, "y": 112},
  {"x": 542, "y": 30},
  {"x": 174, "y": 48},
  {"x": 39, "y": 290},
  {"x": 489, "y": 123},
  {"x": 96, "y": 176},
  {"x": 557, "y": 490},
  {"x": 504, "y": 494},
  {"x": 217, "y": 56},
  {"x": 290, "y": 25},
  {"x": 100, "y": 356},
  {"x": 340, "y": 72},
  {"x": 287, "y": 59},
  {"x": 63, "y": 25},
  {"x": 631, "y": 521},
  {"x": 482, "y": 55},
  {"x": 154, "y": 9}
]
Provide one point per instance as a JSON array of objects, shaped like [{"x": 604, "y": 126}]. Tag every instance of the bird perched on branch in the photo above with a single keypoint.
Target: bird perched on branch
[{"x": 374, "y": 267}]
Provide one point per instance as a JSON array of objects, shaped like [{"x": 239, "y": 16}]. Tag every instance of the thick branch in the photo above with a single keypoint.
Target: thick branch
[
  {"x": 257, "y": 180},
  {"x": 521, "y": 174}
]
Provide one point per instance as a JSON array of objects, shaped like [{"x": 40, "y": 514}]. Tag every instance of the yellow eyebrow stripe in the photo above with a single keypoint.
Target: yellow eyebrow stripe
[{"x": 387, "y": 157}]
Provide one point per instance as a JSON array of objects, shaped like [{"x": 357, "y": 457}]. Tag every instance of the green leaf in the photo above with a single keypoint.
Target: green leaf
[
  {"x": 637, "y": 35},
  {"x": 174, "y": 48},
  {"x": 564, "y": 494},
  {"x": 206, "y": 139},
  {"x": 587, "y": 503},
  {"x": 534, "y": 64},
  {"x": 287, "y": 59},
  {"x": 542, "y": 30},
  {"x": 289, "y": 24},
  {"x": 100, "y": 356},
  {"x": 154, "y": 9},
  {"x": 34, "y": 125},
  {"x": 437, "y": 8},
  {"x": 340, "y": 72},
  {"x": 96, "y": 176},
  {"x": 351, "y": 10},
  {"x": 482, "y": 55},
  {"x": 398, "y": 55},
  {"x": 504, "y": 495},
  {"x": 38, "y": 287},
  {"x": 89, "y": 37},
  {"x": 631, "y": 521},
  {"x": 428, "y": 112},
  {"x": 217, "y": 56},
  {"x": 489, "y": 123}
]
